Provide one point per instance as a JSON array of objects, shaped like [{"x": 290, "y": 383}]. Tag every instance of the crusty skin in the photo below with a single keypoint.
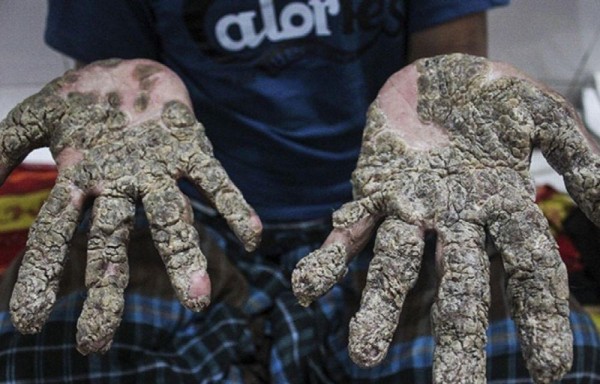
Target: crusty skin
[
  {"x": 447, "y": 147},
  {"x": 121, "y": 132}
]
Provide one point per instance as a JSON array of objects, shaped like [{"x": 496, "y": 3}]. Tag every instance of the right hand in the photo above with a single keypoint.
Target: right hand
[{"x": 120, "y": 132}]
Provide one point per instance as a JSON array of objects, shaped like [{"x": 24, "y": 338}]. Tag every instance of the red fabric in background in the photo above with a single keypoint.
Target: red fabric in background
[
  {"x": 557, "y": 207},
  {"x": 21, "y": 197}
]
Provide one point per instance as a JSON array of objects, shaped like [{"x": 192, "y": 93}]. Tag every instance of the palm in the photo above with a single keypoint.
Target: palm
[
  {"x": 447, "y": 148},
  {"x": 121, "y": 132}
]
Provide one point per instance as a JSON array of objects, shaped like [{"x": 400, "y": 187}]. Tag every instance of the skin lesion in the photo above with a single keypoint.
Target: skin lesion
[
  {"x": 143, "y": 73},
  {"x": 141, "y": 102},
  {"x": 122, "y": 132},
  {"x": 138, "y": 88},
  {"x": 472, "y": 181},
  {"x": 397, "y": 102}
]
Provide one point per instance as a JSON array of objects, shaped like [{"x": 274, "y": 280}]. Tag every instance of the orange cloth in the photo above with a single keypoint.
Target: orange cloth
[{"x": 21, "y": 197}]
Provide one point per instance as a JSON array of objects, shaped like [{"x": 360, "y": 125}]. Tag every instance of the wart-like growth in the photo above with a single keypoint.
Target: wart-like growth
[
  {"x": 446, "y": 148},
  {"x": 122, "y": 132}
]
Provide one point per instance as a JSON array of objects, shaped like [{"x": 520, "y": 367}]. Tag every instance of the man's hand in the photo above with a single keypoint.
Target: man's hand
[
  {"x": 447, "y": 149},
  {"x": 120, "y": 132}
]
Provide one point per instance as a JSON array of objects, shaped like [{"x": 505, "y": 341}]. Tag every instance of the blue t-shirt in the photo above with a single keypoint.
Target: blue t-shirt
[{"x": 281, "y": 86}]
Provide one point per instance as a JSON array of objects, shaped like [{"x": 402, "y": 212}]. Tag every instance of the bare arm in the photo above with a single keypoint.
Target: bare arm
[{"x": 467, "y": 34}]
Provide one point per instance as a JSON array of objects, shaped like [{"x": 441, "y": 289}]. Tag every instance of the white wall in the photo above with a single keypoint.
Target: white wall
[
  {"x": 546, "y": 38},
  {"x": 555, "y": 41},
  {"x": 26, "y": 63}
]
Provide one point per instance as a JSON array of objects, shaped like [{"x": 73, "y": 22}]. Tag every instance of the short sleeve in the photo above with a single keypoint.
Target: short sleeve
[
  {"x": 89, "y": 30},
  {"x": 423, "y": 14}
]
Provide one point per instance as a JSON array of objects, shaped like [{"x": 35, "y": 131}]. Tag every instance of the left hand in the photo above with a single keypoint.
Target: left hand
[{"x": 447, "y": 148}]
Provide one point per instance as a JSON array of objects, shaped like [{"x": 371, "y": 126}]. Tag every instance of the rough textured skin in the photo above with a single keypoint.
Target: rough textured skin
[
  {"x": 447, "y": 148},
  {"x": 122, "y": 132}
]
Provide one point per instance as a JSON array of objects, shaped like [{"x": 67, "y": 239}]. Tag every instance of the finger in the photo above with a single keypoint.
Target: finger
[
  {"x": 459, "y": 314},
  {"x": 26, "y": 127},
  {"x": 353, "y": 225},
  {"x": 567, "y": 148},
  {"x": 35, "y": 291},
  {"x": 183, "y": 125},
  {"x": 538, "y": 288},
  {"x": 176, "y": 240},
  {"x": 392, "y": 273},
  {"x": 107, "y": 273},
  {"x": 583, "y": 183},
  {"x": 566, "y": 144},
  {"x": 207, "y": 173}
]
